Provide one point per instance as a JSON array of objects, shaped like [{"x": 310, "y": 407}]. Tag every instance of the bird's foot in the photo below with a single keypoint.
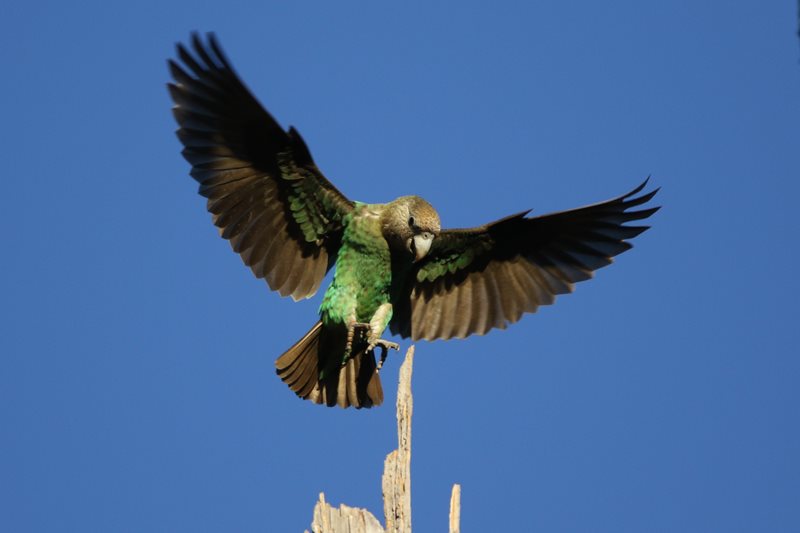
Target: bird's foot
[
  {"x": 385, "y": 347},
  {"x": 384, "y": 344},
  {"x": 351, "y": 334}
]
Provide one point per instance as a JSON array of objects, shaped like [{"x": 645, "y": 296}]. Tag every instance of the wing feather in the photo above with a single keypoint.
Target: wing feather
[
  {"x": 265, "y": 193},
  {"x": 477, "y": 279}
]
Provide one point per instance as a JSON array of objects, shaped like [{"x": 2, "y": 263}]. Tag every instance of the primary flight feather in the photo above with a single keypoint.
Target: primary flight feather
[{"x": 394, "y": 265}]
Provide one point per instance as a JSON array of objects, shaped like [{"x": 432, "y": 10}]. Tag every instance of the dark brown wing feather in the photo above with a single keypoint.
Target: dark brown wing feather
[
  {"x": 264, "y": 191},
  {"x": 477, "y": 279}
]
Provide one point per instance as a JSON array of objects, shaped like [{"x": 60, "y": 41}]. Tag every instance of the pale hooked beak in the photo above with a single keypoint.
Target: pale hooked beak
[{"x": 422, "y": 244}]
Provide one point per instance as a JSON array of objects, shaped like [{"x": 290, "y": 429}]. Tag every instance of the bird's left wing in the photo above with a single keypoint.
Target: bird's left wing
[
  {"x": 473, "y": 280},
  {"x": 264, "y": 191}
]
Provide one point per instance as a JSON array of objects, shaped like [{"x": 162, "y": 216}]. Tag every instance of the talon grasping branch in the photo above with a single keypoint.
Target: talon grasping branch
[{"x": 394, "y": 265}]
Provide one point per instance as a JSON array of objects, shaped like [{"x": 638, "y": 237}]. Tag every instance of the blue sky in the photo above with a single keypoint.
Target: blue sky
[{"x": 138, "y": 393}]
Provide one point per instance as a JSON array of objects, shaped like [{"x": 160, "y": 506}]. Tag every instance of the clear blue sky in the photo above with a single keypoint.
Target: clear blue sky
[{"x": 137, "y": 390}]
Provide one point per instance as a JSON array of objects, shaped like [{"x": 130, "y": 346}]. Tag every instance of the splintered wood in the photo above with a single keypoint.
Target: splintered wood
[
  {"x": 396, "y": 481},
  {"x": 455, "y": 509},
  {"x": 397, "y": 467},
  {"x": 343, "y": 519}
]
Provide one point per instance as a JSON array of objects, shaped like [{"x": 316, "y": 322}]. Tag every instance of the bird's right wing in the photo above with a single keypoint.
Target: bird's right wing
[
  {"x": 473, "y": 280},
  {"x": 264, "y": 191}
]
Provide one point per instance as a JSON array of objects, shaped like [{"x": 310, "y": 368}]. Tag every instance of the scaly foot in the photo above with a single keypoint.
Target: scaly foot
[
  {"x": 384, "y": 344},
  {"x": 351, "y": 333},
  {"x": 385, "y": 347}
]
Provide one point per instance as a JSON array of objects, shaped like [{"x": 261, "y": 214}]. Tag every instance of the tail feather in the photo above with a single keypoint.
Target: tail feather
[
  {"x": 312, "y": 369},
  {"x": 296, "y": 367}
]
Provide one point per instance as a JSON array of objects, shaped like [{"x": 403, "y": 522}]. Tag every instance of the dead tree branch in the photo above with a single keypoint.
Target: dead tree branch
[{"x": 396, "y": 481}]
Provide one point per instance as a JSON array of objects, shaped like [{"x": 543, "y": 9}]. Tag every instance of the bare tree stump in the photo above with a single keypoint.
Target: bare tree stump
[{"x": 396, "y": 481}]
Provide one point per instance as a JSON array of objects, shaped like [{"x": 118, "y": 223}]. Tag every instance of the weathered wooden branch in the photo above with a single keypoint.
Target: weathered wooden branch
[
  {"x": 344, "y": 519},
  {"x": 455, "y": 509},
  {"x": 396, "y": 481}
]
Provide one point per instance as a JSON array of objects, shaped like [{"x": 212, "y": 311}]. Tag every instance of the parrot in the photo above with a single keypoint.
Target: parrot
[{"x": 394, "y": 266}]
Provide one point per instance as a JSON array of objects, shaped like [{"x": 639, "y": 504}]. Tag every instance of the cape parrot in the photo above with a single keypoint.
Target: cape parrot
[{"x": 395, "y": 266}]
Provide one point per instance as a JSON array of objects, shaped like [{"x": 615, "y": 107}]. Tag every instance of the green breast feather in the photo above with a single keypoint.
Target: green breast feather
[{"x": 363, "y": 269}]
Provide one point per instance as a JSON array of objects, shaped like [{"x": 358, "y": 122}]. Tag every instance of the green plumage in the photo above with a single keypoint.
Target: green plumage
[
  {"x": 363, "y": 276},
  {"x": 395, "y": 266}
]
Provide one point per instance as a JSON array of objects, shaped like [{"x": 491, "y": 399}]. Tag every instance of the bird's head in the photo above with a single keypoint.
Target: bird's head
[{"x": 410, "y": 224}]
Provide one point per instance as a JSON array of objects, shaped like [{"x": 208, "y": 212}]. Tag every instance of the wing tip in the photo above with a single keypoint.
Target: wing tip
[{"x": 639, "y": 188}]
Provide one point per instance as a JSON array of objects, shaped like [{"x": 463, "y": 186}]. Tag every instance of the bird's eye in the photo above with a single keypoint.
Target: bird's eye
[{"x": 411, "y": 221}]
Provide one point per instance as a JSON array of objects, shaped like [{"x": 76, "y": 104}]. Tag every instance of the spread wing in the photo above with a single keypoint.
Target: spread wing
[
  {"x": 265, "y": 193},
  {"x": 473, "y": 280}
]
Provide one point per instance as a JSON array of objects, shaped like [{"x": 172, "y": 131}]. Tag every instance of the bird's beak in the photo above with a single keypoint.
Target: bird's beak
[{"x": 422, "y": 244}]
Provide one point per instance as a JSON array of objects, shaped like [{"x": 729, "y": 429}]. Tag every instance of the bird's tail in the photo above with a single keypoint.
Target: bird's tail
[{"x": 313, "y": 370}]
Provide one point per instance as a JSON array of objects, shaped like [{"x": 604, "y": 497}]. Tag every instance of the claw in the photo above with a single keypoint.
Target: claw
[
  {"x": 384, "y": 353},
  {"x": 384, "y": 344},
  {"x": 364, "y": 329},
  {"x": 351, "y": 333},
  {"x": 385, "y": 347}
]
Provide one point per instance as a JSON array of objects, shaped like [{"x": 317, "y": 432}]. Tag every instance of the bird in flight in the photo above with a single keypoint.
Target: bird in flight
[{"x": 394, "y": 264}]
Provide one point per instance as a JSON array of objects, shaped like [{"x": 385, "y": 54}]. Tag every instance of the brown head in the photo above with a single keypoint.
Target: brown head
[{"x": 410, "y": 224}]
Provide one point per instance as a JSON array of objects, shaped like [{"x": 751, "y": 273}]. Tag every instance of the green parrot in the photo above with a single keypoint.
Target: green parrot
[{"x": 395, "y": 266}]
